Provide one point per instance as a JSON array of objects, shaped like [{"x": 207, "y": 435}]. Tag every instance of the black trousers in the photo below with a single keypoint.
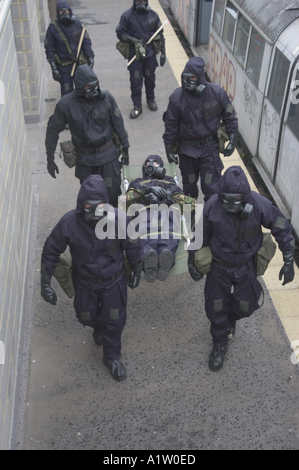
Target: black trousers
[
  {"x": 110, "y": 172},
  {"x": 104, "y": 307}
]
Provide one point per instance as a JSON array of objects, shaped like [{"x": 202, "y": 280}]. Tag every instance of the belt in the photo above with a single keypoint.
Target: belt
[
  {"x": 199, "y": 142},
  {"x": 218, "y": 262},
  {"x": 99, "y": 280},
  {"x": 90, "y": 151}
]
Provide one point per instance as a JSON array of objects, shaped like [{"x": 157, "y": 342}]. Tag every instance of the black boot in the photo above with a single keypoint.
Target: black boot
[
  {"x": 135, "y": 113},
  {"x": 152, "y": 105},
  {"x": 217, "y": 357},
  {"x": 117, "y": 369},
  {"x": 231, "y": 330},
  {"x": 150, "y": 265},
  {"x": 97, "y": 336}
]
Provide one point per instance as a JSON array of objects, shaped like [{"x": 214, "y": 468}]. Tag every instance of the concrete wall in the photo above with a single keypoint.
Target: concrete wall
[{"x": 20, "y": 87}]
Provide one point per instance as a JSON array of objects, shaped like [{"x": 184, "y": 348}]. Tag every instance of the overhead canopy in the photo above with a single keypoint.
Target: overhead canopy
[{"x": 271, "y": 16}]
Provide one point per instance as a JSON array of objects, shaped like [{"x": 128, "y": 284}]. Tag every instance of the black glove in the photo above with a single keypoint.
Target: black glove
[
  {"x": 150, "y": 198},
  {"x": 55, "y": 72},
  {"x": 196, "y": 275},
  {"x": 169, "y": 153},
  {"x": 228, "y": 151},
  {"x": 157, "y": 191},
  {"x": 162, "y": 56},
  {"x": 288, "y": 268},
  {"x": 134, "y": 280},
  {"x": 52, "y": 167},
  {"x": 47, "y": 293},
  {"x": 125, "y": 158},
  {"x": 169, "y": 199},
  {"x": 90, "y": 62}
]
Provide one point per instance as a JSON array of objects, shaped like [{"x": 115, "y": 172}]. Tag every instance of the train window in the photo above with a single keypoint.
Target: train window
[
  {"x": 293, "y": 119},
  {"x": 229, "y": 24},
  {"x": 255, "y": 56},
  {"x": 278, "y": 80},
  {"x": 242, "y": 36},
  {"x": 218, "y": 14}
]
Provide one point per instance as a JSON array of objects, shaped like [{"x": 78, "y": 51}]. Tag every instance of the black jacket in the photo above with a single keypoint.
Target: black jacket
[{"x": 92, "y": 124}]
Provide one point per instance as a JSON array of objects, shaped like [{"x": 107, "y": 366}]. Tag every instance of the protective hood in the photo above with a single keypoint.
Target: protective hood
[
  {"x": 160, "y": 173},
  {"x": 83, "y": 75},
  {"x": 93, "y": 189},
  {"x": 157, "y": 158},
  {"x": 134, "y": 5},
  {"x": 234, "y": 181},
  {"x": 196, "y": 65},
  {"x": 62, "y": 4}
]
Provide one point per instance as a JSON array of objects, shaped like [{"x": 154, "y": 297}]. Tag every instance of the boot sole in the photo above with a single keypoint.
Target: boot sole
[
  {"x": 166, "y": 261},
  {"x": 150, "y": 266}
]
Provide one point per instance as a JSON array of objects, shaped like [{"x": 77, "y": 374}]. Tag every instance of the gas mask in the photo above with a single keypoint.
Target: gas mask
[
  {"x": 92, "y": 91},
  {"x": 94, "y": 212},
  {"x": 152, "y": 169},
  {"x": 141, "y": 6},
  {"x": 233, "y": 204},
  {"x": 65, "y": 16},
  {"x": 191, "y": 84}
]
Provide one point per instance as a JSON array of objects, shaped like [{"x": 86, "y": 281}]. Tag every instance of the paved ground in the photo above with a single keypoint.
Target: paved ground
[{"x": 170, "y": 401}]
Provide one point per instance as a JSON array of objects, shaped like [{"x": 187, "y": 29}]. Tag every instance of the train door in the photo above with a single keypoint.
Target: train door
[
  {"x": 273, "y": 109},
  {"x": 286, "y": 174}
]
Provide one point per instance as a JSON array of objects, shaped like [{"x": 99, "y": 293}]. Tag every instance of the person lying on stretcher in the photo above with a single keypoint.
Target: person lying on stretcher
[{"x": 159, "y": 237}]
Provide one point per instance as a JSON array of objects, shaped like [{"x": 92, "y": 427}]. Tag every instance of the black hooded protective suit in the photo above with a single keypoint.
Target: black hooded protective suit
[
  {"x": 141, "y": 26},
  {"x": 192, "y": 119},
  {"x": 92, "y": 124},
  {"x": 234, "y": 243},
  {"x": 56, "y": 50},
  {"x": 136, "y": 194},
  {"x": 99, "y": 280}
]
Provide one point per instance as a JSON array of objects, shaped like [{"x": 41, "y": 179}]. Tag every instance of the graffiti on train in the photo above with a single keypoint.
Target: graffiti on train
[
  {"x": 270, "y": 130},
  {"x": 221, "y": 70},
  {"x": 181, "y": 10},
  {"x": 251, "y": 102}
]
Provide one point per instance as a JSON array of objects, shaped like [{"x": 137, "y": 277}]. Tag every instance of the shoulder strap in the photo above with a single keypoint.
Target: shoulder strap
[{"x": 62, "y": 35}]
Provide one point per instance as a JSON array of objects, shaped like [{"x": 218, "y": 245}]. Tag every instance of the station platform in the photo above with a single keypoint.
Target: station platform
[
  {"x": 286, "y": 299},
  {"x": 170, "y": 401}
]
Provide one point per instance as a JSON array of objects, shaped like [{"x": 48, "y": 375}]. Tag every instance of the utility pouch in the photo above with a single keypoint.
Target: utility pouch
[
  {"x": 265, "y": 254},
  {"x": 124, "y": 48},
  {"x": 157, "y": 44},
  {"x": 222, "y": 137},
  {"x": 69, "y": 153},
  {"x": 64, "y": 274},
  {"x": 203, "y": 260}
]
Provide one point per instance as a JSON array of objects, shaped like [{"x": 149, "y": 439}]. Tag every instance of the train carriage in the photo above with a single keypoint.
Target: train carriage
[{"x": 254, "y": 56}]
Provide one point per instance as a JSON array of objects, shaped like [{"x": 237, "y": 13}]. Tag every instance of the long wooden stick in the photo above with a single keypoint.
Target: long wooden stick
[
  {"x": 150, "y": 40},
  {"x": 79, "y": 49}
]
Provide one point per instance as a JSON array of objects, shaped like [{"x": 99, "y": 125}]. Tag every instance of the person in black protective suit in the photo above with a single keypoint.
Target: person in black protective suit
[
  {"x": 232, "y": 228},
  {"x": 61, "y": 46},
  {"x": 137, "y": 25},
  {"x": 155, "y": 187},
  {"x": 191, "y": 120},
  {"x": 93, "y": 117},
  {"x": 98, "y": 274}
]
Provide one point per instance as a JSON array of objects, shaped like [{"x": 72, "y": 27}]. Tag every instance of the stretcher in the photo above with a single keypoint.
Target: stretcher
[{"x": 131, "y": 173}]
